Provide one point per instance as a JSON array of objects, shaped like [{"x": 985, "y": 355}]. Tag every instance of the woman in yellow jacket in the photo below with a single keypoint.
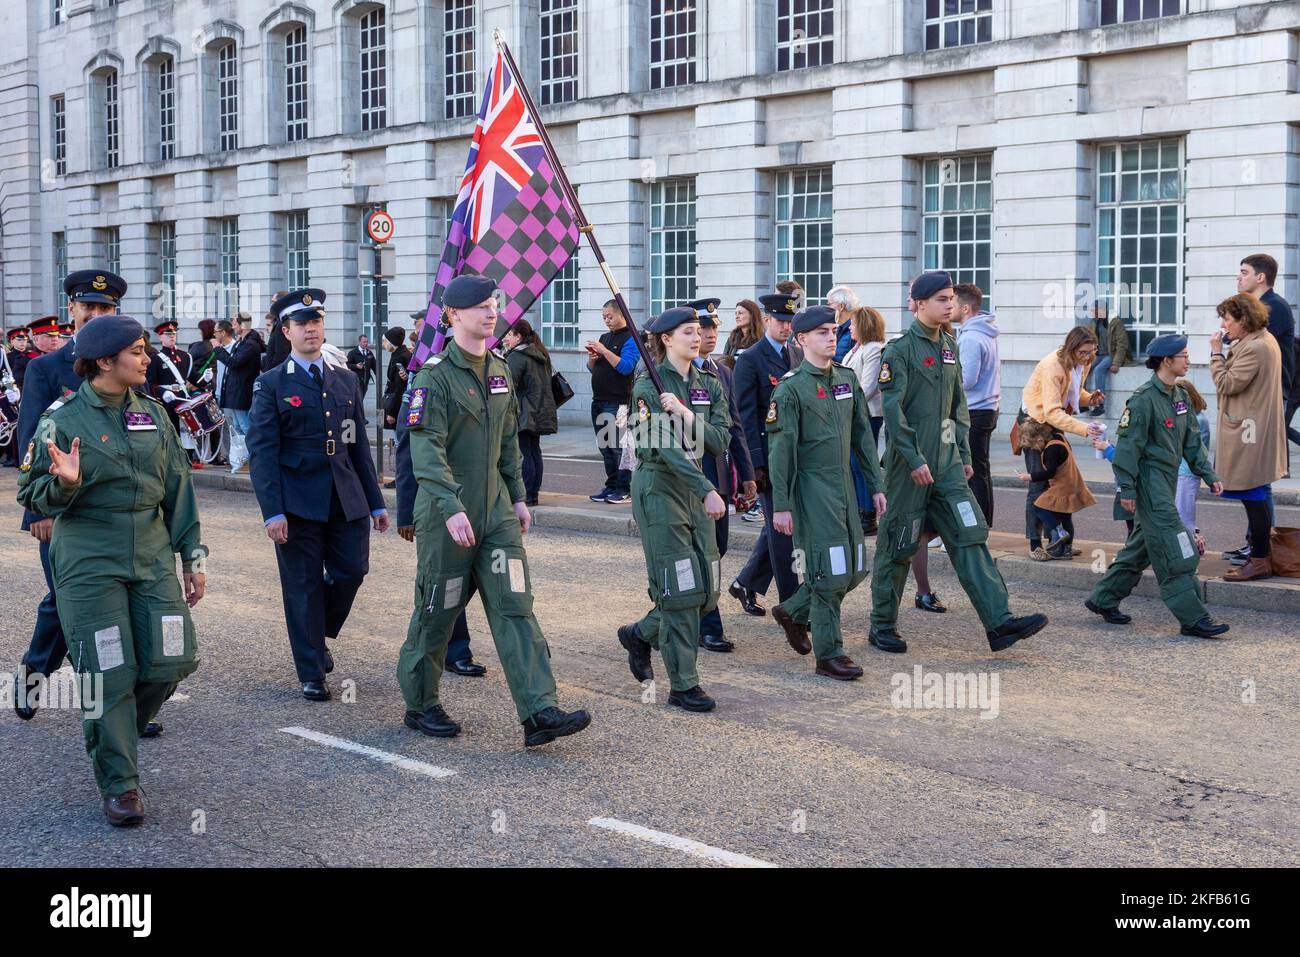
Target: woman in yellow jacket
[{"x": 1054, "y": 395}]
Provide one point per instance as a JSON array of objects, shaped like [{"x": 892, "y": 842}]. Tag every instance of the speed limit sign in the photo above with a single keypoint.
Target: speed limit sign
[{"x": 380, "y": 226}]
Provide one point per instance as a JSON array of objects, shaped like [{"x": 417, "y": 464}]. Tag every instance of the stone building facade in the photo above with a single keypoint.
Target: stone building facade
[{"x": 1055, "y": 151}]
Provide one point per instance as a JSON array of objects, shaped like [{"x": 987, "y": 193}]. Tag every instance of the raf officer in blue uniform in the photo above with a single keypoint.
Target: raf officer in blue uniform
[
  {"x": 758, "y": 370},
  {"x": 459, "y": 659},
  {"x": 315, "y": 483},
  {"x": 91, "y": 293},
  {"x": 718, "y": 468}
]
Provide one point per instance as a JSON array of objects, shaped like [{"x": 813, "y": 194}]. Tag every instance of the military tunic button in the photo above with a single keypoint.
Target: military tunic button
[
  {"x": 327, "y": 415},
  {"x": 330, "y": 432}
]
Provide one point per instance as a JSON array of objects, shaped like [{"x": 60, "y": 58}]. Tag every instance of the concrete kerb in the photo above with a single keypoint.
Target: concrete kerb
[{"x": 1276, "y": 595}]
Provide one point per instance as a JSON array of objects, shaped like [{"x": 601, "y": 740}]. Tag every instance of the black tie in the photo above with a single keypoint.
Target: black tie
[{"x": 315, "y": 374}]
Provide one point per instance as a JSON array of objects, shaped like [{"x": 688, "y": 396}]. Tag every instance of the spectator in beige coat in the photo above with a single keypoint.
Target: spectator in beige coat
[{"x": 1250, "y": 443}]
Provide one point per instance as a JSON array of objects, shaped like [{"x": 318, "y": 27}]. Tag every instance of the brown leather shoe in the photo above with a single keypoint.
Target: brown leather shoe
[
  {"x": 795, "y": 633},
  {"x": 1255, "y": 568},
  {"x": 841, "y": 668},
  {"x": 125, "y": 809}
]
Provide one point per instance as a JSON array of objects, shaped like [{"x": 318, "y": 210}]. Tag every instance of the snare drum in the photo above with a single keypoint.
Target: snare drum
[{"x": 200, "y": 415}]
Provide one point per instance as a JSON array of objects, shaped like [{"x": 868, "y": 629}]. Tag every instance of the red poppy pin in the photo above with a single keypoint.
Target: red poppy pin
[
  {"x": 771, "y": 378},
  {"x": 821, "y": 392},
  {"x": 294, "y": 401},
  {"x": 929, "y": 361},
  {"x": 1169, "y": 423}
]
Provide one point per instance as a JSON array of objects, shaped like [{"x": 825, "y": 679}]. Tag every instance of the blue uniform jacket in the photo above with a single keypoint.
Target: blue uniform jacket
[
  {"x": 306, "y": 441},
  {"x": 738, "y": 449},
  {"x": 46, "y": 378},
  {"x": 407, "y": 485},
  {"x": 758, "y": 370}
]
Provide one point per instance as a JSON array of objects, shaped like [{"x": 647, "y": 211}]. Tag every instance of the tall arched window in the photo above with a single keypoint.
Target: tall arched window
[
  {"x": 228, "y": 96},
  {"x": 111, "y": 118},
  {"x": 374, "y": 71},
  {"x": 295, "y": 84},
  {"x": 166, "y": 108}
]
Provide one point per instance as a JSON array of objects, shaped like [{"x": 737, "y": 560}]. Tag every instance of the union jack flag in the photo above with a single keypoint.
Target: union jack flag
[{"x": 512, "y": 221}]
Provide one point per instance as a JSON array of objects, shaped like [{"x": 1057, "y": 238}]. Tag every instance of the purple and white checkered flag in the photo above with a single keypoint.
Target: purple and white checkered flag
[{"x": 512, "y": 220}]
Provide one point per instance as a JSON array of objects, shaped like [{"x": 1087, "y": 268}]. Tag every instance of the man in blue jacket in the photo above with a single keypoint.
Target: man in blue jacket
[
  {"x": 316, "y": 485},
  {"x": 91, "y": 293},
  {"x": 718, "y": 469}
]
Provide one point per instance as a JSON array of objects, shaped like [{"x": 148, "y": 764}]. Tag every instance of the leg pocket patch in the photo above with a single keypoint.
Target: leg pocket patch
[
  {"x": 173, "y": 636},
  {"x": 108, "y": 648}
]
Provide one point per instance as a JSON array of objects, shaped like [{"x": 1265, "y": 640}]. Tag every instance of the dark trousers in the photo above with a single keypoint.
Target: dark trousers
[
  {"x": 47, "y": 649},
  {"x": 322, "y": 566},
  {"x": 1293, "y": 434},
  {"x": 458, "y": 648},
  {"x": 772, "y": 557},
  {"x": 711, "y": 623},
  {"x": 982, "y": 424},
  {"x": 530, "y": 448},
  {"x": 607, "y": 440}
]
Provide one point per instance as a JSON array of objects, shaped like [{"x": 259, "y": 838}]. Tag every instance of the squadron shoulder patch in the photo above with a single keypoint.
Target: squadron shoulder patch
[
  {"x": 771, "y": 413},
  {"x": 415, "y": 410},
  {"x": 1123, "y": 419},
  {"x": 27, "y": 459},
  {"x": 642, "y": 410},
  {"x": 885, "y": 374}
]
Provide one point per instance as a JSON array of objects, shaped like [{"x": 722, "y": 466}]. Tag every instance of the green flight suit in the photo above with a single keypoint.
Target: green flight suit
[
  {"x": 112, "y": 556},
  {"x": 817, "y": 422},
  {"x": 927, "y": 422},
  {"x": 1157, "y": 430},
  {"x": 677, "y": 535},
  {"x": 463, "y": 426}
]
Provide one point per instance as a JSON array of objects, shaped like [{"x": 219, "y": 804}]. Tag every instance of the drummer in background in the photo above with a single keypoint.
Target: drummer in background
[{"x": 169, "y": 373}]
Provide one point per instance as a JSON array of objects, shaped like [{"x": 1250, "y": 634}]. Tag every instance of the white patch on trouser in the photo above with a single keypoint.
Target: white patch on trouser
[
  {"x": 173, "y": 635},
  {"x": 862, "y": 556},
  {"x": 518, "y": 580},
  {"x": 108, "y": 648},
  {"x": 716, "y": 583},
  {"x": 451, "y": 597},
  {"x": 838, "y": 560},
  {"x": 967, "y": 513},
  {"x": 1186, "y": 545},
  {"x": 685, "y": 576}
]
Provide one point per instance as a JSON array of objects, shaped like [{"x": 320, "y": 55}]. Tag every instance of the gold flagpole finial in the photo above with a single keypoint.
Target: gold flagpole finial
[{"x": 498, "y": 37}]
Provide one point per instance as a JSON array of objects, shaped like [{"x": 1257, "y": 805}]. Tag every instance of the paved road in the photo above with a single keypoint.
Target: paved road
[{"x": 1109, "y": 747}]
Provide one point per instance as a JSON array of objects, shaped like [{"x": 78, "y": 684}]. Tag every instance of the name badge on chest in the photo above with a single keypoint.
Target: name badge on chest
[
  {"x": 497, "y": 384},
  {"x": 700, "y": 397},
  {"x": 140, "y": 422},
  {"x": 1180, "y": 407},
  {"x": 842, "y": 390},
  {"x": 949, "y": 357}
]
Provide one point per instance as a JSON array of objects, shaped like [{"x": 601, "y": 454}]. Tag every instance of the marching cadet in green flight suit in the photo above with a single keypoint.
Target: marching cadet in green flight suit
[
  {"x": 1156, "y": 432},
  {"x": 816, "y": 423},
  {"x": 107, "y": 465},
  {"x": 470, "y": 519},
  {"x": 926, "y": 467},
  {"x": 675, "y": 506}
]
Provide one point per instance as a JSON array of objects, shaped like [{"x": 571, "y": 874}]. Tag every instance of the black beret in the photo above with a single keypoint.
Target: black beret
[
  {"x": 670, "y": 319},
  {"x": 1164, "y": 346},
  {"x": 106, "y": 336},
  {"x": 928, "y": 283},
  {"x": 468, "y": 290},
  {"x": 812, "y": 317},
  {"x": 778, "y": 305},
  {"x": 301, "y": 304},
  {"x": 95, "y": 285}
]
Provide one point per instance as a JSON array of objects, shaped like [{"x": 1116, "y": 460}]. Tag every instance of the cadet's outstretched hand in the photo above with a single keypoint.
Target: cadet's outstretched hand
[
  {"x": 881, "y": 504},
  {"x": 65, "y": 466},
  {"x": 783, "y": 522},
  {"x": 525, "y": 517},
  {"x": 461, "y": 531},
  {"x": 194, "y": 585},
  {"x": 278, "y": 531},
  {"x": 922, "y": 476}
]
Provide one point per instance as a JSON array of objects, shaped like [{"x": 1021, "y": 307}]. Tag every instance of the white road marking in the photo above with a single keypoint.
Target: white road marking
[
  {"x": 683, "y": 844},
  {"x": 383, "y": 757}
]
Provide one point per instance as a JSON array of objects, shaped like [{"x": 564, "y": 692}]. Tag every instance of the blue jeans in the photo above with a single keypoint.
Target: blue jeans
[
  {"x": 860, "y": 480},
  {"x": 1099, "y": 375},
  {"x": 238, "y": 419}
]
